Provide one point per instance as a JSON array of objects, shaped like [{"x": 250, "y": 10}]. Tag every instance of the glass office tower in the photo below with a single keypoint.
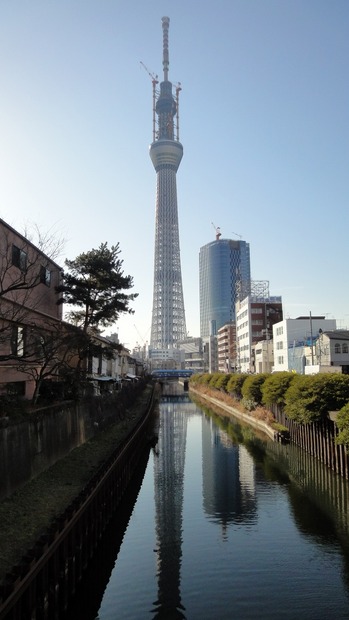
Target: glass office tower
[{"x": 224, "y": 269}]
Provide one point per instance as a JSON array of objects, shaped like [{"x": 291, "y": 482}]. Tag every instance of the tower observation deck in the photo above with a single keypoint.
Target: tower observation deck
[{"x": 168, "y": 316}]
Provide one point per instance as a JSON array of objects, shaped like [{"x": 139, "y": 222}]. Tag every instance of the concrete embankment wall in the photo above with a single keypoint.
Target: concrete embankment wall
[
  {"x": 243, "y": 417},
  {"x": 30, "y": 447},
  {"x": 43, "y": 584}
]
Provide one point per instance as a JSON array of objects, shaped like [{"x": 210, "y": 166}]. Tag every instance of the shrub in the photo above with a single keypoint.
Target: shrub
[
  {"x": 311, "y": 397},
  {"x": 249, "y": 404},
  {"x": 252, "y": 388},
  {"x": 343, "y": 424},
  {"x": 280, "y": 428},
  {"x": 222, "y": 381},
  {"x": 235, "y": 384},
  {"x": 274, "y": 388},
  {"x": 214, "y": 378},
  {"x": 201, "y": 379}
]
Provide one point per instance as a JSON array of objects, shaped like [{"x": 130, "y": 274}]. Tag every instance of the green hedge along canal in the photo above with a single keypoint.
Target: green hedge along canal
[{"x": 218, "y": 530}]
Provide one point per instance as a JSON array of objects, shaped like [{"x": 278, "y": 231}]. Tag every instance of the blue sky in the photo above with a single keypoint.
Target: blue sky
[{"x": 264, "y": 122}]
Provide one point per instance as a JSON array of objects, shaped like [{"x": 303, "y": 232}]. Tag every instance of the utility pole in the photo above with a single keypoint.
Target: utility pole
[{"x": 311, "y": 336}]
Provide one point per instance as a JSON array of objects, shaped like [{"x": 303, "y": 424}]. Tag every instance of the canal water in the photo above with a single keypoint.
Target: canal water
[{"x": 223, "y": 524}]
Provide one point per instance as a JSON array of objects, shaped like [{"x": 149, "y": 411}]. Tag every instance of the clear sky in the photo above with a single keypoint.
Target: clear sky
[{"x": 264, "y": 122}]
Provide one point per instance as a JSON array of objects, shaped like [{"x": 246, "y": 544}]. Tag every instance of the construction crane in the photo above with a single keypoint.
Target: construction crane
[
  {"x": 155, "y": 81},
  {"x": 152, "y": 75},
  {"x": 218, "y": 231},
  {"x": 178, "y": 90},
  {"x": 144, "y": 341},
  {"x": 237, "y": 234}
]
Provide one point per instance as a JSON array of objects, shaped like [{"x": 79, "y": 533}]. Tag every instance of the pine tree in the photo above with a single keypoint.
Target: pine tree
[{"x": 95, "y": 285}]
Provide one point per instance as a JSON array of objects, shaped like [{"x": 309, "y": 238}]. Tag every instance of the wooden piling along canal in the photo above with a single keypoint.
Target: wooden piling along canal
[{"x": 41, "y": 586}]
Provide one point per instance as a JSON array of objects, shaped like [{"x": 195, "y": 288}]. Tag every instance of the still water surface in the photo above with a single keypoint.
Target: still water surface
[{"x": 218, "y": 531}]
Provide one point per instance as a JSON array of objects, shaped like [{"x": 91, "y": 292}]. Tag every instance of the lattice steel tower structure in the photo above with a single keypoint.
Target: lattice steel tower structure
[{"x": 168, "y": 315}]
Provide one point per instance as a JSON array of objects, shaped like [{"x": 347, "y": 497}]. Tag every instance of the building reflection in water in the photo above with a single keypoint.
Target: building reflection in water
[{"x": 229, "y": 494}]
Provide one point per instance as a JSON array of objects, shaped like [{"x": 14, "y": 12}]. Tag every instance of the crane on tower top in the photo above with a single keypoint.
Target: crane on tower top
[
  {"x": 218, "y": 231},
  {"x": 155, "y": 82},
  {"x": 153, "y": 76}
]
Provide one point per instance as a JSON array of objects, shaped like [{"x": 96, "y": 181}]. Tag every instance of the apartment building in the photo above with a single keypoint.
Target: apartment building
[
  {"x": 255, "y": 317},
  {"x": 226, "y": 341},
  {"x": 28, "y": 304}
]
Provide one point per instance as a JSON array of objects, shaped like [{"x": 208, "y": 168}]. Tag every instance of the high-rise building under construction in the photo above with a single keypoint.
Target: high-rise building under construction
[
  {"x": 168, "y": 315},
  {"x": 224, "y": 274}
]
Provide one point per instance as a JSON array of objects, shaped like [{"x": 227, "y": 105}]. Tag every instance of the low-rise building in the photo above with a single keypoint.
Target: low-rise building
[
  {"x": 294, "y": 341},
  {"x": 226, "y": 342},
  {"x": 166, "y": 358},
  {"x": 330, "y": 353},
  {"x": 28, "y": 309},
  {"x": 263, "y": 356},
  {"x": 193, "y": 353}
]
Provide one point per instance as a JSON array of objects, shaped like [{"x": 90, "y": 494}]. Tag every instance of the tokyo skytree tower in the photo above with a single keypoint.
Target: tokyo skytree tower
[{"x": 168, "y": 316}]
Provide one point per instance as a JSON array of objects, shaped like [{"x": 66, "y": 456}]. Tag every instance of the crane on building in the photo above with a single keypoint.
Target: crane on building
[
  {"x": 155, "y": 82},
  {"x": 144, "y": 341},
  {"x": 237, "y": 235},
  {"x": 217, "y": 230}
]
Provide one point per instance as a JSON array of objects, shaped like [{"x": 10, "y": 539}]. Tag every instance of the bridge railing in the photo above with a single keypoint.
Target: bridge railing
[{"x": 171, "y": 373}]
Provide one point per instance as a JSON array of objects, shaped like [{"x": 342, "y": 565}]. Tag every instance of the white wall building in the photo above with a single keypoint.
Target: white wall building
[
  {"x": 263, "y": 353},
  {"x": 166, "y": 358},
  {"x": 255, "y": 316},
  {"x": 193, "y": 352},
  {"x": 292, "y": 336},
  {"x": 331, "y": 353}
]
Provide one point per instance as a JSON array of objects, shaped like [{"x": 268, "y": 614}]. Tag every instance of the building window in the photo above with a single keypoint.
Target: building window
[
  {"x": 17, "y": 341},
  {"x": 280, "y": 344},
  {"x": 344, "y": 348},
  {"x": 16, "y": 388},
  {"x": 281, "y": 359},
  {"x": 279, "y": 330},
  {"x": 45, "y": 276},
  {"x": 19, "y": 258},
  {"x": 337, "y": 348}
]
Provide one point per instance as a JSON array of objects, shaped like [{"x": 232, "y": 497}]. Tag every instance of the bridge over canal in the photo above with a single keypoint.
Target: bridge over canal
[{"x": 169, "y": 373}]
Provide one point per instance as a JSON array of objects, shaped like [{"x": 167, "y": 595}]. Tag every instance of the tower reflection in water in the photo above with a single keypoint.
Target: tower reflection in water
[{"x": 168, "y": 490}]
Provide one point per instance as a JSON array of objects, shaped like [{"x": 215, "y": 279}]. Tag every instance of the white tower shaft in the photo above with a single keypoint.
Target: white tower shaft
[{"x": 168, "y": 317}]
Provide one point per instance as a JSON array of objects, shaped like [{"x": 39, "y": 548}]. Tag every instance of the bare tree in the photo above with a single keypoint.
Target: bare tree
[
  {"x": 23, "y": 264},
  {"x": 28, "y": 277},
  {"x": 49, "y": 242},
  {"x": 47, "y": 352}
]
